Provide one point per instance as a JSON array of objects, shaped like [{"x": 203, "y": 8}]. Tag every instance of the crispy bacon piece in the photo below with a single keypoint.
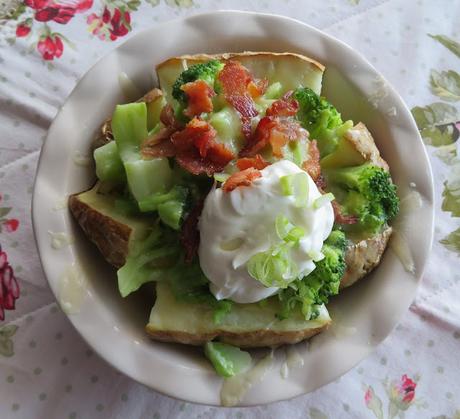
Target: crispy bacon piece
[
  {"x": 258, "y": 87},
  {"x": 277, "y": 131},
  {"x": 243, "y": 178},
  {"x": 168, "y": 118},
  {"x": 190, "y": 235},
  {"x": 342, "y": 218},
  {"x": 162, "y": 149},
  {"x": 185, "y": 139},
  {"x": 235, "y": 80},
  {"x": 257, "y": 162},
  {"x": 220, "y": 155},
  {"x": 286, "y": 106},
  {"x": 196, "y": 166},
  {"x": 197, "y": 151},
  {"x": 311, "y": 166},
  {"x": 159, "y": 144},
  {"x": 199, "y": 95}
]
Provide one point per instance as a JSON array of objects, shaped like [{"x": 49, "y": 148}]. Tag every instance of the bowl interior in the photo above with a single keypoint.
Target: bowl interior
[{"x": 364, "y": 314}]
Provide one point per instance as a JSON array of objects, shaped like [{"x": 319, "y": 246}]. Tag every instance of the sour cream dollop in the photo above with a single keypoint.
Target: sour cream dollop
[{"x": 236, "y": 225}]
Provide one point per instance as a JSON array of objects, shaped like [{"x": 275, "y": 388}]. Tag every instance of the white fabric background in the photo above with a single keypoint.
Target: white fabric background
[{"x": 53, "y": 373}]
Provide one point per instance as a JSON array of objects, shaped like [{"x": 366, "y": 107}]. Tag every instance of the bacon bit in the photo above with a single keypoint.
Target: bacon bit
[
  {"x": 190, "y": 235},
  {"x": 220, "y": 155},
  {"x": 341, "y": 218},
  {"x": 243, "y": 178},
  {"x": 260, "y": 138},
  {"x": 168, "y": 118},
  {"x": 196, "y": 165},
  {"x": 278, "y": 140},
  {"x": 163, "y": 149},
  {"x": 286, "y": 106},
  {"x": 160, "y": 136},
  {"x": 199, "y": 95},
  {"x": 190, "y": 135},
  {"x": 258, "y": 87},
  {"x": 257, "y": 162},
  {"x": 276, "y": 131},
  {"x": 197, "y": 151},
  {"x": 235, "y": 80},
  {"x": 311, "y": 166}
]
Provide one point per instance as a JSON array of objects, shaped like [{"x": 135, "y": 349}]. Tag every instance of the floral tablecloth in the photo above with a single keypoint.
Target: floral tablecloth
[{"x": 47, "y": 371}]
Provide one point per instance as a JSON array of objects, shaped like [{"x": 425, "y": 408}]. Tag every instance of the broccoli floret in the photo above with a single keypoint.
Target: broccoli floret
[
  {"x": 315, "y": 289},
  {"x": 204, "y": 71},
  {"x": 329, "y": 270},
  {"x": 369, "y": 194},
  {"x": 337, "y": 239},
  {"x": 321, "y": 119}
]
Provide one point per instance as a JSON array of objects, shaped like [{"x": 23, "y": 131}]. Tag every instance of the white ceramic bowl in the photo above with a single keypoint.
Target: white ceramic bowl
[{"x": 115, "y": 327}]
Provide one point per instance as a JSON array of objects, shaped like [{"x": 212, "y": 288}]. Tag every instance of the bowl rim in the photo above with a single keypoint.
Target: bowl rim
[{"x": 206, "y": 15}]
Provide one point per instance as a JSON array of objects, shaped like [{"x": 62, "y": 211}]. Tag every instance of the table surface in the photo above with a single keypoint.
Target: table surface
[{"x": 47, "y": 371}]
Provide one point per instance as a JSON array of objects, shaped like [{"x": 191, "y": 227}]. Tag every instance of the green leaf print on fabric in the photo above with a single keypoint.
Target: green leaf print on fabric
[
  {"x": 447, "y": 153},
  {"x": 6, "y": 343},
  {"x": 446, "y": 85},
  {"x": 448, "y": 43},
  {"x": 452, "y": 241},
  {"x": 373, "y": 402},
  {"x": 317, "y": 414},
  {"x": 180, "y": 3},
  {"x": 451, "y": 197},
  {"x": 437, "y": 123}
]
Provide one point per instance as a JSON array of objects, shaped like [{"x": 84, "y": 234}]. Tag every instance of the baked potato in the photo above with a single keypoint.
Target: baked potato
[{"x": 247, "y": 325}]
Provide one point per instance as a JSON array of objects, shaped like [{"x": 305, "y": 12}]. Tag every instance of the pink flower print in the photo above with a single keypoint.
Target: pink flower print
[
  {"x": 9, "y": 288},
  {"x": 373, "y": 403},
  {"x": 11, "y": 225}
]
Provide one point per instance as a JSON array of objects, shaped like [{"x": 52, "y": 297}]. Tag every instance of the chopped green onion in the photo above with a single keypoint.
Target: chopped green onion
[
  {"x": 286, "y": 185},
  {"x": 294, "y": 235},
  {"x": 297, "y": 148},
  {"x": 273, "y": 267},
  {"x": 221, "y": 177},
  {"x": 301, "y": 189},
  {"x": 286, "y": 231},
  {"x": 281, "y": 226},
  {"x": 297, "y": 185},
  {"x": 323, "y": 200}
]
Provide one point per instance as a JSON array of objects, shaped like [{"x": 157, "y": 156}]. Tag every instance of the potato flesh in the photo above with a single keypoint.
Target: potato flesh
[
  {"x": 172, "y": 315},
  {"x": 290, "y": 70},
  {"x": 105, "y": 204}
]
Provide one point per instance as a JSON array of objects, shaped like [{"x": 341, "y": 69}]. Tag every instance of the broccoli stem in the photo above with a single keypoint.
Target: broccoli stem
[{"x": 145, "y": 177}]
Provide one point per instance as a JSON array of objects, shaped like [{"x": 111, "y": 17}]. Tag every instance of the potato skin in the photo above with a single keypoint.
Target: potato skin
[
  {"x": 105, "y": 135},
  {"x": 361, "y": 140},
  {"x": 230, "y": 55},
  {"x": 362, "y": 257},
  {"x": 254, "y": 339},
  {"x": 110, "y": 236}
]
